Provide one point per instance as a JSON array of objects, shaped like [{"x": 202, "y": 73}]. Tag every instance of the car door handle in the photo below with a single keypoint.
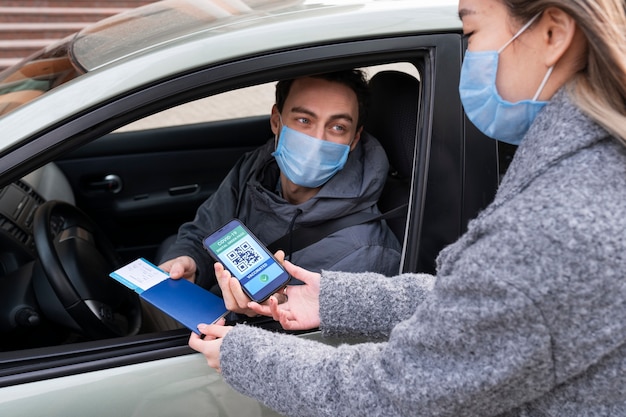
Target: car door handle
[{"x": 111, "y": 183}]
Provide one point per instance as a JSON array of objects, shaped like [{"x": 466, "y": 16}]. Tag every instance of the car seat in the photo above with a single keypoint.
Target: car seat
[{"x": 392, "y": 119}]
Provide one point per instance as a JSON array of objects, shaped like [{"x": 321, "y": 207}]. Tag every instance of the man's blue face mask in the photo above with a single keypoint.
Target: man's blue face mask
[
  {"x": 308, "y": 161},
  {"x": 488, "y": 111}
]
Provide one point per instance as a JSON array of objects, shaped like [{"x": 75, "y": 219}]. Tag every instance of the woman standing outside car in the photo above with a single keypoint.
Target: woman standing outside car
[{"x": 526, "y": 315}]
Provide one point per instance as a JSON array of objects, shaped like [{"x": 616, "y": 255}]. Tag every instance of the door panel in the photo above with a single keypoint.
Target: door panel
[{"x": 188, "y": 387}]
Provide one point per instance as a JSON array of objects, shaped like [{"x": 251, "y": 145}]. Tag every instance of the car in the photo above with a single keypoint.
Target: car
[{"x": 112, "y": 137}]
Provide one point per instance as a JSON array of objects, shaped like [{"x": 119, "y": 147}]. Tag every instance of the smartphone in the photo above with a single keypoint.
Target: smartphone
[{"x": 247, "y": 259}]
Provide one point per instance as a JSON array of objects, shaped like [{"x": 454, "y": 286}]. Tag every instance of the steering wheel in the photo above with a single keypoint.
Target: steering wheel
[{"x": 76, "y": 259}]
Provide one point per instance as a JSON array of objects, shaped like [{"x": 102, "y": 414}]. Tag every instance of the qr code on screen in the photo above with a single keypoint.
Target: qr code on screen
[{"x": 244, "y": 256}]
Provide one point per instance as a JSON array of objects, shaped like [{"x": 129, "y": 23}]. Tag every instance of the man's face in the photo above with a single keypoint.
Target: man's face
[{"x": 322, "y": 109}]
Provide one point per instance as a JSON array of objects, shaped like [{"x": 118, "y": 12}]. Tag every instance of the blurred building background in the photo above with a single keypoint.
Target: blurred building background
[{"x": 29, "y": 25}]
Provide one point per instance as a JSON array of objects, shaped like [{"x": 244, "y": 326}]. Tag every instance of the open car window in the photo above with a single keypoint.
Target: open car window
[{"x": 138, "y": 184}]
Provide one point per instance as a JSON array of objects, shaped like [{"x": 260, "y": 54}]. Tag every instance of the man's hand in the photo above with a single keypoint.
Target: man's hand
[
  {"x": 296, "y": 307},
  {"x": 181, "y": 267},
  {"x": 234, "y": 298}
]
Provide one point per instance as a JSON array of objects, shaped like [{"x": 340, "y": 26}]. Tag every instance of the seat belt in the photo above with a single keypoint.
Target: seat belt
[{"x": 306, "y": 236}]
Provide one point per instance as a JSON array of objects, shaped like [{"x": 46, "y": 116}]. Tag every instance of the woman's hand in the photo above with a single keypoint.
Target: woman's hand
[
  {"x": 209, "y": 344},
  {"x": 301, "y": 309},
  {"x": 181, "y": 267},
  {"x": 296, "y": 307}
]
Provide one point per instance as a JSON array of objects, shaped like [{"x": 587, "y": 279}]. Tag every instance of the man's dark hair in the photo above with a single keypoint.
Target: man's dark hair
[{"x": 354, "y": 79}]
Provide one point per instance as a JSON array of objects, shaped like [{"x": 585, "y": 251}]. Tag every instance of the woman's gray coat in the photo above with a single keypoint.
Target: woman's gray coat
[{"x": 526, "y": 317}]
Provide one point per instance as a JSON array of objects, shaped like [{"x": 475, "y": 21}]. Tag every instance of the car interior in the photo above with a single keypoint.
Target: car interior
[{"x": 67, "y": 225}]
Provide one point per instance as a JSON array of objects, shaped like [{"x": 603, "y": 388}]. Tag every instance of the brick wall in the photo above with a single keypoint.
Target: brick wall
[{"x": 29, "y": 25}]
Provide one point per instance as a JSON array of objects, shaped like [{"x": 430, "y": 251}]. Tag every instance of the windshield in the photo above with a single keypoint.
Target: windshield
[{"x": 33, "y": 77}]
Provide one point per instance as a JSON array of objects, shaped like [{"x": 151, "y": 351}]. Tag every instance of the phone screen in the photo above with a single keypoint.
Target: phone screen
[{"x": 247, "y": 259}]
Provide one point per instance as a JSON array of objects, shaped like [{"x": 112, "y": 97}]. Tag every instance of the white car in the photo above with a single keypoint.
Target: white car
[{"x": 117, "y": 134}]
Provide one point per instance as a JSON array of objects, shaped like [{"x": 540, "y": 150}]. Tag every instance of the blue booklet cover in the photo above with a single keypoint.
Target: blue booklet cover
[{"x": 182, "y": 300}]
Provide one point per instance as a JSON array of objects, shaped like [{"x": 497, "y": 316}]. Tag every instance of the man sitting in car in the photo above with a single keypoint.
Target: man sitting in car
[{"x": 319, "y": 166}]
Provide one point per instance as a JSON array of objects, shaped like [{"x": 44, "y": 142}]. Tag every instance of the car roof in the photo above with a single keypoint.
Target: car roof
[
  {"x": 253, "y": 26},
  {"x": 158, "y": 40}
]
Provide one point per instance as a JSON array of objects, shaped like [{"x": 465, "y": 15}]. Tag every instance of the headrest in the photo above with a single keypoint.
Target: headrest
[{"x": 392, "y": 116}]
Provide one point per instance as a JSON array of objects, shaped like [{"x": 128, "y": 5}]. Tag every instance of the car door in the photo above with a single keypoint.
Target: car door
[{"x": 454, "y": 174}]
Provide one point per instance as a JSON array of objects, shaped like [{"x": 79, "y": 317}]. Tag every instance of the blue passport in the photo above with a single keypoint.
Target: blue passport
[{"x": 182, "y": 300}]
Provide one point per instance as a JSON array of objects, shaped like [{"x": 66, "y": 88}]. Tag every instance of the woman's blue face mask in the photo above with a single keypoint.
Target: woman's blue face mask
[
  {"x": 308, "y": 161},
  {"x": 488, "y": 111}
]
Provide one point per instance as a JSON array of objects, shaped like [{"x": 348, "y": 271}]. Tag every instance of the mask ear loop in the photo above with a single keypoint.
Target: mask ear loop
[
  {"x": 543, "y": 83},
  {"x": 519, "y": 32},
  {"x": 280, "y": 117}
]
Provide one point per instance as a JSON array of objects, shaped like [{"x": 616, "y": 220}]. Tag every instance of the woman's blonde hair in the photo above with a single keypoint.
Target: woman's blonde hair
[{"x": 599, "y": 89}]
